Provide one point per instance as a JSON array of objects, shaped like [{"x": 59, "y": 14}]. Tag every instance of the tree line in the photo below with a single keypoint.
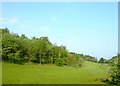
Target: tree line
[{"x": 21, "y": 49}]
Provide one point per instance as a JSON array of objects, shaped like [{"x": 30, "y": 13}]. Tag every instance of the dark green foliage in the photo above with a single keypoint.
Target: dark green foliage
[
  {"x": 59, "y": 61},
  {"x": 15, "y": 58},
  {"x": 12, "y": 50},
  {"x": 74, "y": 60},
  {"x": 71, "y": 61},
  {"x": 20, "y": 49},
  {"x": 90, "y": 58},
  {"x": 102, "y": 60},
  {"x": 115, "y": 70}
]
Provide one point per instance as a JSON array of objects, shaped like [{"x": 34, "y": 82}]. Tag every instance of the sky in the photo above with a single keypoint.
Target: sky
[{"x": 83, "y": 27}]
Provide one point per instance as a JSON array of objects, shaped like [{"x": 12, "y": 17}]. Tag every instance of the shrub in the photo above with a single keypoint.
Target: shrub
[
  {"x": 33, "y": 59},
  {"x": 15, "y": 58},
  {"x": 26, "y": 59},
  {"x": 59, "y": 62}
]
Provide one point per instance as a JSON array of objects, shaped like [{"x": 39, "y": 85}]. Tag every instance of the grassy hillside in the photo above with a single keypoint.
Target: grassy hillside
[{"x": 52, "y": 74}]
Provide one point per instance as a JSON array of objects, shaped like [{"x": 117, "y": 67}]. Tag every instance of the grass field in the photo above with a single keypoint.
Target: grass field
[{"x": 52, "y": 74}]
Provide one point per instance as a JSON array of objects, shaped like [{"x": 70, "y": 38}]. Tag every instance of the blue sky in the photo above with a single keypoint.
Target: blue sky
[{"x": 83, "y": 27}]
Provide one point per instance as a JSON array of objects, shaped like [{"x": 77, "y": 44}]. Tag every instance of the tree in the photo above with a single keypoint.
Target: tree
[
  {"x": 102, "y": 60},
  {"x": 115, "y": 70},
  {"x": 5, "y": 30}
]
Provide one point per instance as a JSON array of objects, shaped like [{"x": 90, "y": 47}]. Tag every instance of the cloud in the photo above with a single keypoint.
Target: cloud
[
  {"x": 12, "y": 20},
  {"x": 54, "y": 19}
]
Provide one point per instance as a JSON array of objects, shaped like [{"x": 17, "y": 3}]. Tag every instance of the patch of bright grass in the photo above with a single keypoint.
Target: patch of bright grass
[{"x": 52, "y": 74}]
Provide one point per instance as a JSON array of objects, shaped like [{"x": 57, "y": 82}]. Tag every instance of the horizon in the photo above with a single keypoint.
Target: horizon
[{"x": 85, "y": 28}]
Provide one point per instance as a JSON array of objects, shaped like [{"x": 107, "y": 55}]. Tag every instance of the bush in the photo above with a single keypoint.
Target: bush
[
  {"x": 20, "y": 61},
  {"x": 10, "y": 58},
  {"x": 115, "y": 72},
  {"x": 26, "y": 59},
  {"x": 15, "y": 58},
  {"x": 33, "y": 59},
  {"x": 59, "y": 62}
]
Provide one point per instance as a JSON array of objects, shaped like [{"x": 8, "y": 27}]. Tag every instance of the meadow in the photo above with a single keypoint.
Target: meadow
[{"x": 91, "y": 73}]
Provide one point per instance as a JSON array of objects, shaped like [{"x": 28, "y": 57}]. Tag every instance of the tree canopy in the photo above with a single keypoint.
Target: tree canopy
[{"x": 21, "y": 49}]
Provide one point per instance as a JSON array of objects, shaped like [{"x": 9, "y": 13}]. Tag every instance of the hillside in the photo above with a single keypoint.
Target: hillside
[{"x": 91, "y": 73}]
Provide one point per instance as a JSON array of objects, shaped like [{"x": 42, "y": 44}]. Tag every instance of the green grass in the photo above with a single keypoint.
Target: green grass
[{"x": 52, "y": 74}]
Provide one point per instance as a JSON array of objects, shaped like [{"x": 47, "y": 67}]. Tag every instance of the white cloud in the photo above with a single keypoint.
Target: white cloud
[
  {"x": 13, "y": 20},
  {"x": 54, "y": 19}
]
